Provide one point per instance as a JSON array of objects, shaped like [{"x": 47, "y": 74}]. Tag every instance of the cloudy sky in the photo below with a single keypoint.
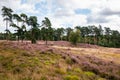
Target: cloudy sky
[{"x": 68, "y": 13}]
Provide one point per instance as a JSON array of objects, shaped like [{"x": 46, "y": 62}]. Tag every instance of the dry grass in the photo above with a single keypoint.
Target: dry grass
[
  {"x": 109, "y": 54},
  {"x": 101, "y": 60},
  {"x": 25, "y": 61}
]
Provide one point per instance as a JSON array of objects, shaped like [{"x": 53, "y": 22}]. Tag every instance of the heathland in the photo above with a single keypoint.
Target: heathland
[{"x": 59, "y": 60}]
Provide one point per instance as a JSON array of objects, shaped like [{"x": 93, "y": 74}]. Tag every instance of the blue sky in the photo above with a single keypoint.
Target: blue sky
[
  {"x": 82, "y": 11},
  {"x": 68, "y": 13}
]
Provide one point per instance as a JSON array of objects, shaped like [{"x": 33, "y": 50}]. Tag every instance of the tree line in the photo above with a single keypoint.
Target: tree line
[{"x": 83, "y": 34}]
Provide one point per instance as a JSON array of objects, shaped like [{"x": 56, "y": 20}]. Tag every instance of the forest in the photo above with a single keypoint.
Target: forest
[{"x": 90, "y": 34}]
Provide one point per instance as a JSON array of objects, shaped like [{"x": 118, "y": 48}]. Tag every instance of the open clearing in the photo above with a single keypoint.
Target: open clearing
[
  {"x": 59, "y": 60},
  {"x": 110, "y": 54}
]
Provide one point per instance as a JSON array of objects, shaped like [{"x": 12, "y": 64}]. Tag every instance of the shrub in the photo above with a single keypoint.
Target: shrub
[
  {"x": 69, "y": 61},
  {"x": 74, "y": 37}
]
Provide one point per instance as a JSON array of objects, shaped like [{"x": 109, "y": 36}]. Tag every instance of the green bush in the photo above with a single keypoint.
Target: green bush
[{"x": 74, "y": 37}]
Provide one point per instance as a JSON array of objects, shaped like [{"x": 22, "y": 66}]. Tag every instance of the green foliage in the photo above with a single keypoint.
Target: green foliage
[
  {"x": 47, "y": 28},
  {"x": 71, "y": 77},
  {"x": 68, "y": 31},
  {"x": 75, "y": 36},
  {"x": 90, "y": 75},
  {"x": 59, "y": 33},
  {"x": 34, "y": 28},
  {"x": 86, "y": 34},
  {"x": 78, "y": 70},
  {"x": 7, "y": 15}
]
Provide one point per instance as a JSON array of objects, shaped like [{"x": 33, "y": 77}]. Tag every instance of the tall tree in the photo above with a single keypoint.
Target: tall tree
[
  {"x": 84, "y": 31},
  {"x": 24, "y": 20},
  {"x": 17, "y": 18},
  {"x": 59, "y": 33},
  {"x": 20, "y": 31},
  {"x": 96, "y": 35},
  {"x": 91, "y": 34},
  {"x": 32, "y": 21},
  {"x": 7, "y": 14},
  {"x": 68, "y": 30},
  {"x": 46, "y": 24},
  {"x": 51, "y": 33},
  {"x": 107, "y": 34},
  {"x": 115, "y": 38}
]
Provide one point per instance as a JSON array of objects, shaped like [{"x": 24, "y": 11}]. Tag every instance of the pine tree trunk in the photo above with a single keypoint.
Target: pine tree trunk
[{"x": 6, "y": 30}]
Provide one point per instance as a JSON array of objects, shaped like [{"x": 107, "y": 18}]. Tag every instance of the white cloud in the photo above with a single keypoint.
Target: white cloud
[
  {"x": 62, "y": 12},
  {"x": 70, "y": 21},
  {"x": 28, "y": 8}
]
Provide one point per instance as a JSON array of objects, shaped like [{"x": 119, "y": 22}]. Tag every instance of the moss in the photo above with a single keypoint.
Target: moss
[
  {"x": 90, "y": 75},
  {"x": 71, "y": 77},
  {"x": 78, "y": 70},
  {"x": 60, "y": 71},
  {"x": 33, "y": 61},
  {"x": 49, "y": 62}
]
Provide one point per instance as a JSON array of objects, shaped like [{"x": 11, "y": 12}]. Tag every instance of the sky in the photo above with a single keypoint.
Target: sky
[{"x": 68, "y": 13}]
